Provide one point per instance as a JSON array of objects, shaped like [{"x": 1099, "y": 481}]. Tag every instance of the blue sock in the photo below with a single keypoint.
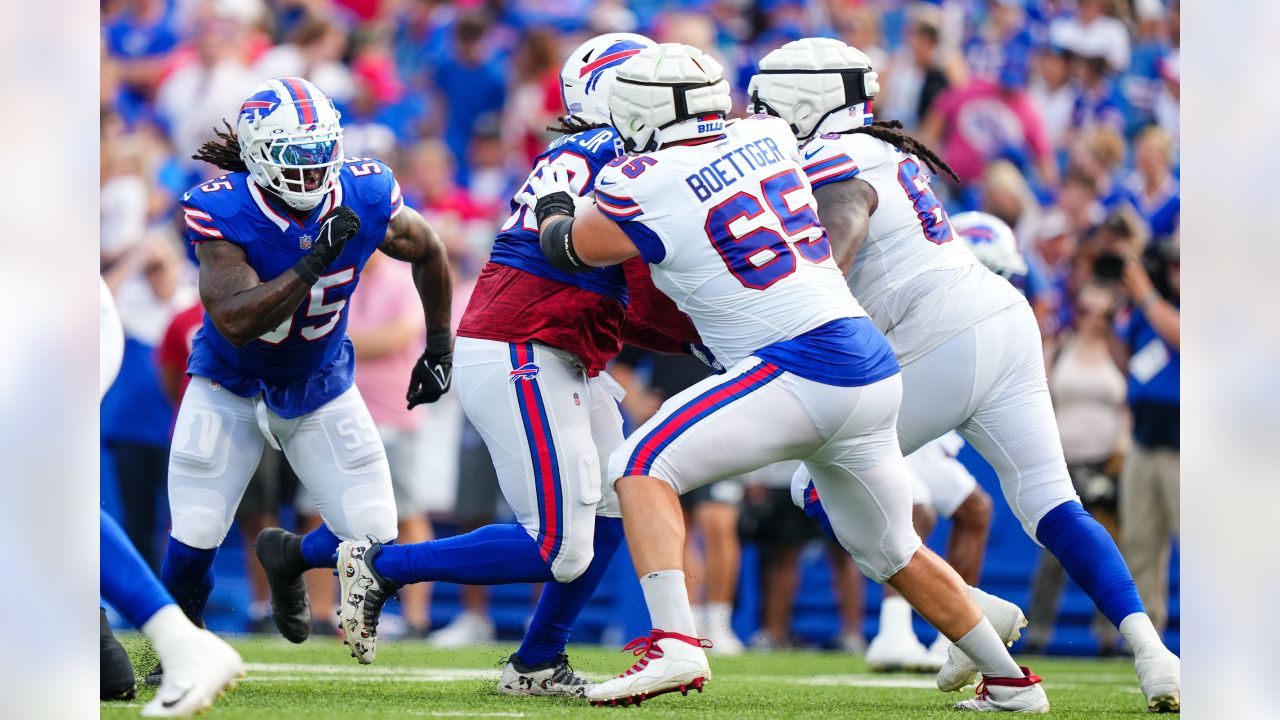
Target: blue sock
[
  {"x": 320, "y": 548},
  {"x": 126, "y": 580},
  {"x": 492, "y": 555},
  {"x": 561, "y": 603},
  {"x": 1091, "y": 558},
  {"x": 188, "y": 574},
  {"x": 813, "y": 508}
]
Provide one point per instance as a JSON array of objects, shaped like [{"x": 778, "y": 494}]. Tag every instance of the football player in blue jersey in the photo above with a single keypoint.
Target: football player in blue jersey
[{"x": 281, "y": 240}]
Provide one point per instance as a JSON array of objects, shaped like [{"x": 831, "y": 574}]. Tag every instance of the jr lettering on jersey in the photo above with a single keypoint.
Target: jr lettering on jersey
[
  {"x": 591, "y": 143},
  {"x": 725, "y": 170}
]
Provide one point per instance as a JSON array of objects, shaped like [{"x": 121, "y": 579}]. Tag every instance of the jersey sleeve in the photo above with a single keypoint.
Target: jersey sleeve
[
  {"x": 375, "y": 186},
  {"x": 825, "y": 161},
  {"x": 619, "y": 197},
  {"x": 199, "y": 223}
]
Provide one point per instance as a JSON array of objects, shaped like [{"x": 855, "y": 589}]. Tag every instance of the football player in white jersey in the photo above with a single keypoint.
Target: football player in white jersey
[
  {"x": 967, "y": 341},
  {"x": 725, "y": 218}
]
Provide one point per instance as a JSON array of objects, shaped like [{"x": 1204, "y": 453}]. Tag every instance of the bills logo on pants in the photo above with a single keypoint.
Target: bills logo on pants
[{"x": 542, "y": 449}]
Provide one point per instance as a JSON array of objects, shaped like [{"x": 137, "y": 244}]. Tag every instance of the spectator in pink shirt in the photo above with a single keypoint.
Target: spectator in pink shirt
[{"x": 986, "y": 120}]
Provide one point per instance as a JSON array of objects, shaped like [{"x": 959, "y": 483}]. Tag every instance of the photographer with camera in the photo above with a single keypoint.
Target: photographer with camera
[{"x": 1150, "y": 333}]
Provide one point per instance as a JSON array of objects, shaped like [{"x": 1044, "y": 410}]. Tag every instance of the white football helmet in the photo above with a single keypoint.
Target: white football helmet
[
  {"x": 666, "y": 93},
  {"x": 992, "y": 241},
  {"x": 816, "y": 85},
  {"x": 291, "y": 140},
  {"x": 589, "y": 70}
]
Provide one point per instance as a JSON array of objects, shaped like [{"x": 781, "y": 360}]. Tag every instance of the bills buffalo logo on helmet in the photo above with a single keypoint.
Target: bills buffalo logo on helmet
[
  {"x": 259, "y": 105},
  {"x": 525, "y": 372},
  {"x": 979, "y": 235},
  {"x": 613, "y": 56}
]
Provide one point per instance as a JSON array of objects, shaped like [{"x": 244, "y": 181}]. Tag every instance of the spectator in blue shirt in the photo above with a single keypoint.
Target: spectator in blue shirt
[
  {"x": 1149, "y": 503},
  {"x": 471, "y": 82}
]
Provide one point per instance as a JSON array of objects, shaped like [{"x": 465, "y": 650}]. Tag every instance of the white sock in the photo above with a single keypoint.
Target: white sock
[
  {"x": 668, "y": 601},
  {"x": 895, "y": 617},
  {"x": 719, "y": 616},
  {"x": 984, "y": 648},
  {"x": 167, "y": 630},
  {"x": 1140, "y": 633}
]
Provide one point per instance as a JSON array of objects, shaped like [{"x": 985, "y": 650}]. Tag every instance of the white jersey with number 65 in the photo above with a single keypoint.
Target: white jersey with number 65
[{"x": 731, "y": 233}]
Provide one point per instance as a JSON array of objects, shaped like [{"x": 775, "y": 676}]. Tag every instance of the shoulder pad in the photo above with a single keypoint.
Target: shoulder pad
[{"x": 370, "y": 183}]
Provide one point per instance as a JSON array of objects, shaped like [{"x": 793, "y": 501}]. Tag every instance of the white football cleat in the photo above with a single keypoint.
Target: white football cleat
[
  {"x": 197, "y": 669},
  {"x": 1159, "y": 675},
  {"x": 1008, "y": 621},
  {"x": 669, "y": 662},
  {"x": 892, "y": 652},
  {"x": 555, "y": 678},
  {"x": 1023, "y": 695},
  {"x": 938, "y": 651},
  {"x": 361, "y": 594},
  {"x": 467, "y": 629}
]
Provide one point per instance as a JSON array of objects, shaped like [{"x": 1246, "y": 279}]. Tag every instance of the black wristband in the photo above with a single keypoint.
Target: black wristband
[
  {"x": 557, "y": 203},
  {"x": 439, "y": 341},
  {"x": 556, "y": 240},
  {"x": 309, "y": 268}
]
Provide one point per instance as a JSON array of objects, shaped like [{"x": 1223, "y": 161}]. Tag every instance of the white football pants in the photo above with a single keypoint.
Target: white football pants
[
  {"x": 988, "y": 383},
  {"x": 335, "y": 450},
  {"x": 757, "y": 414},
  {"x": 547, "y": 426}
]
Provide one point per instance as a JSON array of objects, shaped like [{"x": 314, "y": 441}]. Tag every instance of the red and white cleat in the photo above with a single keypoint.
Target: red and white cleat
[
  {"x": 669, "y": 662},
  {"x": 996, "y": 694}
]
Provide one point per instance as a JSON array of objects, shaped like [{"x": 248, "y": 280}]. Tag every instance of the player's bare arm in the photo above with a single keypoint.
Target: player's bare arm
[
  {"x": 241, "y": 306},
  {"x": 574, "y": 241},
  {"x": 845, "y": 208},
  {"x": 411, "y": 238}
]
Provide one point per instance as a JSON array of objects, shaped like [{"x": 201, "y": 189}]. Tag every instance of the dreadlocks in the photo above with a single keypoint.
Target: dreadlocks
[
  {"x": 224, "y": 151},
  {"x": 890, "y": 131},
  {"x": 572, "y": 125}
]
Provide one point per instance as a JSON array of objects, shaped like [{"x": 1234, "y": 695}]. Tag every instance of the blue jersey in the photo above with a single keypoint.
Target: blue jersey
[
  {"x": 308, "y": 360},
  {"x": 584, "y": 154}
]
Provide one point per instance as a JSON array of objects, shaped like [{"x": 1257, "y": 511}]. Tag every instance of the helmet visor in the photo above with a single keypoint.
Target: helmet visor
[{"x": 304, "y": 154}]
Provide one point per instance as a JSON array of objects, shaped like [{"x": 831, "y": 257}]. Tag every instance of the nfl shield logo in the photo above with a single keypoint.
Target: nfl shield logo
[{"x": 304, "y": 242}]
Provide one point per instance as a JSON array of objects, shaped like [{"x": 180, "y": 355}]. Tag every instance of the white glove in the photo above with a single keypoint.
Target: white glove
[{"x": 553, "y": 178}]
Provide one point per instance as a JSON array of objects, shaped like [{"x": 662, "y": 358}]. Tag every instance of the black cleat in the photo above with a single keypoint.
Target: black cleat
[
  {"x": 279, "y": 552},
  {"x": 555, "y": 677},
  {"x": 115, "y": 671}
]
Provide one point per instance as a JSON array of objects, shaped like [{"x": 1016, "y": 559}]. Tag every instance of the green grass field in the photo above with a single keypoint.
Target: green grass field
[{"x": 318, "y": 681}]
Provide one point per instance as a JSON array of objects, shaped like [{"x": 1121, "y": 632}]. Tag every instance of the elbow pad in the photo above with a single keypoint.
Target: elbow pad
[{"x": 556, "y": 239}]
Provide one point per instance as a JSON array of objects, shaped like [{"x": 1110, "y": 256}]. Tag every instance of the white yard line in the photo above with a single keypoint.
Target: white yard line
[{"x": 299, "y": 672}]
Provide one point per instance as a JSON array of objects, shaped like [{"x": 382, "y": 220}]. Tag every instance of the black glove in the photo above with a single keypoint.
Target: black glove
[
  {"x": 337, "y": 227},
  {"x": 433, "y": 373}
]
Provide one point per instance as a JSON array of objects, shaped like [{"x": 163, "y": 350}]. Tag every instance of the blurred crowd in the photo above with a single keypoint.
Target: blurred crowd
[{"x": 1059, "y": 117}]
